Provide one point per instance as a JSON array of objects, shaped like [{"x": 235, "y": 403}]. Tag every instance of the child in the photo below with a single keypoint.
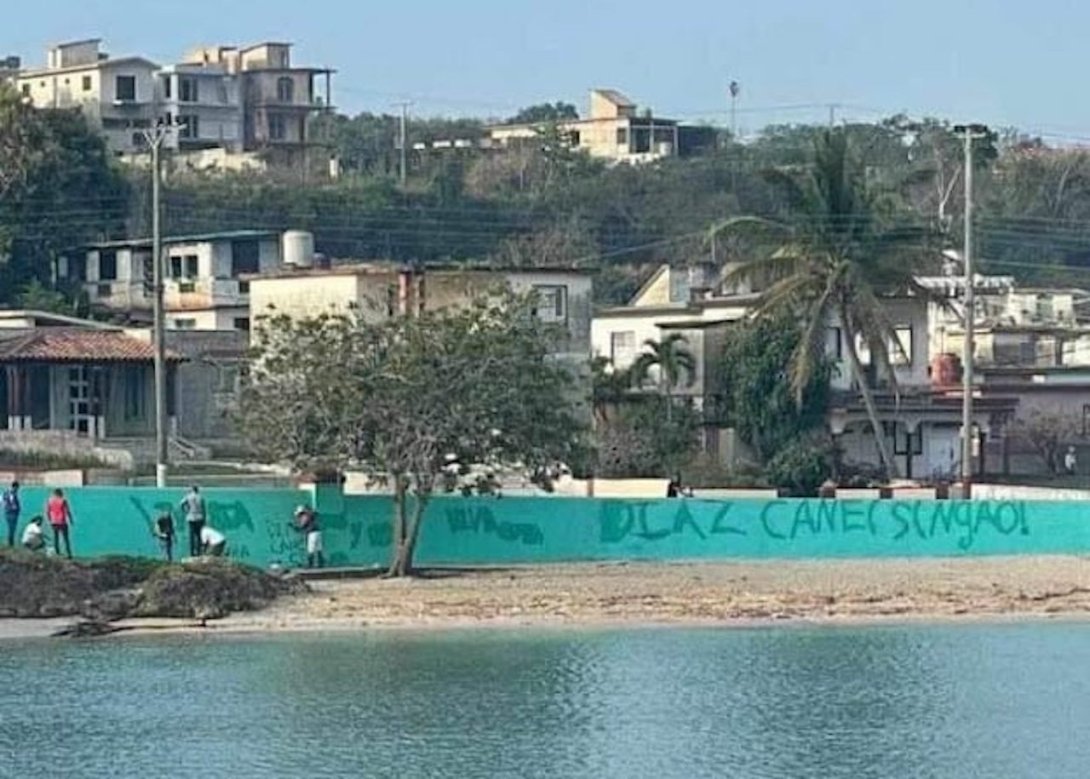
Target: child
[
  {"x": 59, "y": 514},
  {"x": 306, "y": 522},
  {"x": 164, "y": 531},
  {"x": 32, "y": 536}
]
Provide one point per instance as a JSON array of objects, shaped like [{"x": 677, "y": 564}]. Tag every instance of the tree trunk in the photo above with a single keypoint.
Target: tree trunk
[
  {"x": 888, "y": 465},
  {"x": 399, "y": 551}
]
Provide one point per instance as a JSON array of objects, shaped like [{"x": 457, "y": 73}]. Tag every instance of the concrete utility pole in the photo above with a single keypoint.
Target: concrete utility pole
[
  {"x": 403, "y": 140},
  {"x": 155, "y": 137},
  {"x": 969, "y": 133}
]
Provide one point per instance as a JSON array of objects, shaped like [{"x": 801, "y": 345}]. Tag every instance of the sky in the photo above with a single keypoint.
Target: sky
[{"x": 998, "y": 61}]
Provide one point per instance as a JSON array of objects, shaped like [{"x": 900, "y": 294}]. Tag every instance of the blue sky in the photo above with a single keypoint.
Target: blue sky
[{"x": 998, "y": 61}]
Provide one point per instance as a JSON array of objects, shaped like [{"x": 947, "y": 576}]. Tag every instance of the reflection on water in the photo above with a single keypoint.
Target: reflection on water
[{"x": 884, "y": 702}]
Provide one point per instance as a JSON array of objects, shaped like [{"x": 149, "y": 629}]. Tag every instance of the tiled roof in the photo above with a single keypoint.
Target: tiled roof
[{"x": 66, "y": 345}]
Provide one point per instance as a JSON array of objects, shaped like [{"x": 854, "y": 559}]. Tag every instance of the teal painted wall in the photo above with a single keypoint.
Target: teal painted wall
[{"x": 474, "y": 531}]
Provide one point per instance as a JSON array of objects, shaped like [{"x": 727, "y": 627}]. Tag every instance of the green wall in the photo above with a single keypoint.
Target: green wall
[{"x": 472, "y": 531}]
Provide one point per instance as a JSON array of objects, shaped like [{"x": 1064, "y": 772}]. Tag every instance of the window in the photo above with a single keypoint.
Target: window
[
  {"x": 221, "y": 91},
  {"x": 242, "y": 323},
  {"x": 107, "y": 265},
  {"x": 245, "y": 257},
  {"x": 552, "y": 303},
  {"x": 187, "y": 90},
  {"x": 86, "y": 84},
  {"x": 26, "y": 90},
  {"x": 168, "y": 86},
  {"x": 185, "y": 324},
  {"x": 285, "y": 90},
  {"x": 900, "y": 349},
  {"x": 125, "y": 88},
  {"x": 227, "y": 378},
  {"x": 622, "y": 348},
  {"x": 133, "y": 393},
  {"x": 184, "y": 266},
  {"x": 622, "y": 136},
  {"x": 277, "y": 128},
  {"x": 190, "y": 127},
  {"x": 191, "y": 267},
  {"x": 175, "y": 266}
]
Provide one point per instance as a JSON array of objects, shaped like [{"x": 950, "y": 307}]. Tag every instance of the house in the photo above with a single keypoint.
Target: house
[
  {"x": 920, "y": 415},
  {"x": 615, "y": 131},
  {"x": 76, "y": 386},
  {"x": 117, "y": 96},
  {"x": 378, "y": 290},
  {"x": 203, "y": 284},
  {"x": 205, "y": 102},
  {"x": 279, "y": 101}
]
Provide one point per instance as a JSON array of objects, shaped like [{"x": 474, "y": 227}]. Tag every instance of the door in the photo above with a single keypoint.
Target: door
[{"x": 79, "y": 400}]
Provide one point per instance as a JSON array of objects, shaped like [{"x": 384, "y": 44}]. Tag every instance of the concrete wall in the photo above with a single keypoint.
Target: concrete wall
[{"x": 479, "y": 531}]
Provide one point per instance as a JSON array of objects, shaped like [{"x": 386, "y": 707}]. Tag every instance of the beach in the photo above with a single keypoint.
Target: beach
[{"x": 706, "y": 593}]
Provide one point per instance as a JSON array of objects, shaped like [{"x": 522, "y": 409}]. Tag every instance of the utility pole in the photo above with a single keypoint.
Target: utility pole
[
  {"x": 402, "y": 140},
  {"x": 832, "y": 114},
  {"x": 735, "y": 90},
  {"x": 155, "y": 137},
  {"x": 969, "y": 133}
]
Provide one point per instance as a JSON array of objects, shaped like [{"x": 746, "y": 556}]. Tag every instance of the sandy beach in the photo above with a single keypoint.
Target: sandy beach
[
  {"x": 696, "y": 593},
  {"x": 716, "y": 593}
]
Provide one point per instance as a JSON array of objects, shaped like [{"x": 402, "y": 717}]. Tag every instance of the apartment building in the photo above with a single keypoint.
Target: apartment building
[
  {"x": 204, "y": 102},
  {"x": 203, "y": 283},
  {"x": 118, "y": 96}
]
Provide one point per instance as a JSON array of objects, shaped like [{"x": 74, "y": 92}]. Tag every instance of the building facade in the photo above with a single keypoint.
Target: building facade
[
  {"x": 117, "y": 96},
  {"x": 204, "y": 286}
]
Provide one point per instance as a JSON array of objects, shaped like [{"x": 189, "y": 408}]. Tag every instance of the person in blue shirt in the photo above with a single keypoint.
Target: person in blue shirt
[{"x": 12, "y": 508}]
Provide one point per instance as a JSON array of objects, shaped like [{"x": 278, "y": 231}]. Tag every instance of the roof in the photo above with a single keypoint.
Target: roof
[
  {"x": 615, "y": 97},
  {"x": 72, "y": 345},
  {"x": 379, "y": 267},
  {"x": 170, "y": 240},
  {"x": 49, "y": 319},
  {"x": 101, "y": 64}
]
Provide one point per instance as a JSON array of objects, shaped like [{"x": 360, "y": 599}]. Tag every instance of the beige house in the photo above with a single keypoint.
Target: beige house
[
  {"x": 279, "y": 100},
  {"x": 379, "y": 290},
  {"x": 118, "y": 96},
  {"x": 615, "y": 131}
]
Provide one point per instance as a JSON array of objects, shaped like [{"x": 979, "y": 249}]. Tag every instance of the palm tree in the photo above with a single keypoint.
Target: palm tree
[
  {"x": 673, "y": 358},
  {"x": 830, "y": 261},
  {"x": 610, "y": 386}
]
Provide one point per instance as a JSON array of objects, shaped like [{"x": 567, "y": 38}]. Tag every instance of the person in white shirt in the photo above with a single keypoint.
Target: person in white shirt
[
  {"x": 1071, "y": 461},
  {"x": 32, "y": 536},
  {"x": 213, "y": 542}
]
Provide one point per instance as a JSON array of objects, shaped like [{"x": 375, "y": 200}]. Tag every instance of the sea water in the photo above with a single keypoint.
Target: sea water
[{"x": 1007, "y": 700}]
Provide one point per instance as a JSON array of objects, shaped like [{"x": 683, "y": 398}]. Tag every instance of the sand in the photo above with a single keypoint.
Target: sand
[{"x": 689, "y": 593}]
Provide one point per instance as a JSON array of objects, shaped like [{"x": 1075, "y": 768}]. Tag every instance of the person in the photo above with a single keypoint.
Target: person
[
  {"x": 1070, "y": 461},
  {"x": 32, "y": 536},
  {"x": 164, "y": 531},
  {"x": 213, "y": 542},
  {"x": 306, "y": 522},
  {"x": 673, "y": 489},
  {"x": 193, "y": 506},
  {"x": 12, "y": 507},
  {"x": 59, "y": 514}
]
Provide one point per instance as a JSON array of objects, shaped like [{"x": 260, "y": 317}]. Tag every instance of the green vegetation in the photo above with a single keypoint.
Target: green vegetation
[{"x": 415, "y": 401}]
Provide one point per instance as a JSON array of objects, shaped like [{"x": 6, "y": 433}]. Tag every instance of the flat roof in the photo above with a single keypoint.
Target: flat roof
[
  {"x": 227, "y": 235},
  {"x": 378, "y": 267},
  {"x": 99, "y": 65}
]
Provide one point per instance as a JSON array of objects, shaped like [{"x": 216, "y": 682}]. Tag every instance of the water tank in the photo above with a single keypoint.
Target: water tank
[{"x": 298, "y": 248}]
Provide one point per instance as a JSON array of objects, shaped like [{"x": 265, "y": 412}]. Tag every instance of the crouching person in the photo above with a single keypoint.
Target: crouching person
[
  {"x": 213, "y": 542},
  {"x": 32, "y": 535}
]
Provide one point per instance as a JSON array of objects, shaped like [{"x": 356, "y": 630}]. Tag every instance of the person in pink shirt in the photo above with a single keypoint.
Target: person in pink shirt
[{"x": 59, "y": 514}]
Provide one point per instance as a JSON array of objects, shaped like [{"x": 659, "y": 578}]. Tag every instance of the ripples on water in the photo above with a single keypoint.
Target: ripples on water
[{"x": 968, "y": 701}]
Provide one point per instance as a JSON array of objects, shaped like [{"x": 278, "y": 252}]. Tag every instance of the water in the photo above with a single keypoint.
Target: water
[{"x": 928, "y": 701}]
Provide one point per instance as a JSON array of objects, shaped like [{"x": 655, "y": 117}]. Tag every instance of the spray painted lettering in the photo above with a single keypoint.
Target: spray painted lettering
[
  {"x": 619, "y": 520},
  {"x": 480, "y": 520}
]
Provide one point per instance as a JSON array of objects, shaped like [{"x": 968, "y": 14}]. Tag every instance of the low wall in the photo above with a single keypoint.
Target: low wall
[{"x": 498, "y": 531}]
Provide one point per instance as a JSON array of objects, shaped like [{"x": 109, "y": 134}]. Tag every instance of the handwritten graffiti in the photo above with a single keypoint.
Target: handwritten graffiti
[
  {"x": 480, "y": 520},
  {"x": 788, "y": 521},
  {"x": 620, "y": 520}
]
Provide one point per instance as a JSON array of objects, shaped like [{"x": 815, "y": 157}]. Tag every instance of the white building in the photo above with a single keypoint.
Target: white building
[
  {"x": 203, "y": 284},
  {"x": 118, "y": 96},
  {"x": 204, "y": 102}
]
